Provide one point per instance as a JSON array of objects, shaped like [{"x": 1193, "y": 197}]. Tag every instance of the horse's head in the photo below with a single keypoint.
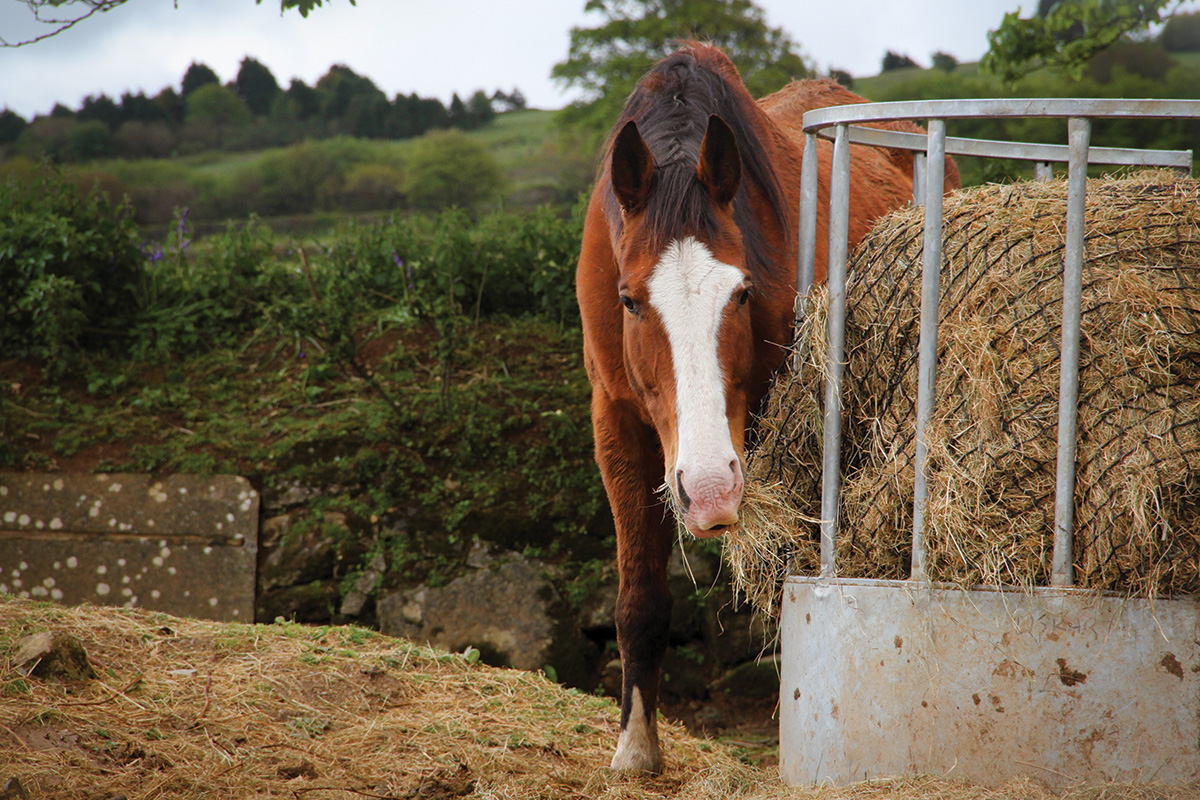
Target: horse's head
[{"x": 687, "y": 297}]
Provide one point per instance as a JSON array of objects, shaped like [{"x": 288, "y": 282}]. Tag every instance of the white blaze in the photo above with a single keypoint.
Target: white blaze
[{"x": 690, "y": 289}]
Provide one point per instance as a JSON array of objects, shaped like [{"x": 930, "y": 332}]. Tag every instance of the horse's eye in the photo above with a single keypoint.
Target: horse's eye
[
  {"x": 630, "y": 306},
  {"x": 744, "y": 297}
]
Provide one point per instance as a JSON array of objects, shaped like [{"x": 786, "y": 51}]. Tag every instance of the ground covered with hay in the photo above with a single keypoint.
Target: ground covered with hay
[
  {"x": 992, "y": 438},
  {"x": 179, "y": 708}
]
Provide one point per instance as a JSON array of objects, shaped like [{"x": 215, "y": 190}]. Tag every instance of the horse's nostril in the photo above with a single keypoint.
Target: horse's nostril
[{"x": 684, "y": 500}]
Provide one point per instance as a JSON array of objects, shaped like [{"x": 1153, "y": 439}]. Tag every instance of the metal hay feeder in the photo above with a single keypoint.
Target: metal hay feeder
[{"x": 884, "y": 678}]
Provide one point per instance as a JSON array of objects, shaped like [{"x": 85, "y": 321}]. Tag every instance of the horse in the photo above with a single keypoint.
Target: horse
[{"x": 686, "y": 288}]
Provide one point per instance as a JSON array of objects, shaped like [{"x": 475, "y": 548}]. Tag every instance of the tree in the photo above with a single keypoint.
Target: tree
[
  {"x": 606, "y": 61},
  {"x": 211, "y": 113},
  {"x": 256, "y": 86},
  {"x": 171, "y": 105},
  {"x": 303, "y": 98},
  {"x": 197, "y": 75},
  {"x": 893, "y": 61},
  {"x": 216, "y": 104},
  {"x": 353, "y": 103},
  {"x": 1065, "y": 35},
  {"x": 479, "y": 109},
  {"x": 139, "y": 108},
  {"x": 457, "y": 113},
  {"x": 51, "y": 14},
  {"x": 843, "y": 77},
  {"x": 11, "y": 126},
  {"x": 514, "y": 101},
  {"x": 102, "y": 109},
  {"x": 1181, "y": 33},
  {"x": 944, "y": 61},
  {"x": 87, "y": 141}
]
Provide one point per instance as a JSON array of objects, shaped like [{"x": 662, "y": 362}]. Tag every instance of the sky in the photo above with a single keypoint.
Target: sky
[{"x": 432, "y": 48}]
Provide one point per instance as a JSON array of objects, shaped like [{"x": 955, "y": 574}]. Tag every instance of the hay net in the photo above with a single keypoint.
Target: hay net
[{"x": 993, "y": 435}]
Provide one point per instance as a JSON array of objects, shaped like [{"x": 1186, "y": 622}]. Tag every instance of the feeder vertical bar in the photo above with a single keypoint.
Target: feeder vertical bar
[
  {"x": 918, "y": 179},
  {"x": 806, "y": 266},
  {"x": 1043, "y": 171},
  {"x": 839, "y": 226},
  {"x": 935, "y": 166},
  {"x": 1079, "y": 131}
]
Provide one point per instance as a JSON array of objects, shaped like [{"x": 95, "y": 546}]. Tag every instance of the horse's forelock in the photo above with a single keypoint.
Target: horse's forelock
[{"x": 671, "y": 106}]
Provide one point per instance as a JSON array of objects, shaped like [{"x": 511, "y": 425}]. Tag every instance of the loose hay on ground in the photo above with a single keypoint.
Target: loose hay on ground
[
  {"x": 188, "y": 709},
  {"x": 992, "y": 439}
]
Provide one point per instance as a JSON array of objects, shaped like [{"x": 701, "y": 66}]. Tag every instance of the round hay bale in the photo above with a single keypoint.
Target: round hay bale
[{"x": 993, "y": 436}]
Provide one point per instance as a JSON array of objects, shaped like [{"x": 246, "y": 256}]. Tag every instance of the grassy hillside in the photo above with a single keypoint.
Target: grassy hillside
[{"x": 516, "y": 161}]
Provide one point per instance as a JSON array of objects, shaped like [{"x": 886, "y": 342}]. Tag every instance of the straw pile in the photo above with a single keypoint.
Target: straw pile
[
  {"x": 185, "y": 709},
  {"x": 993, "y": 436}
]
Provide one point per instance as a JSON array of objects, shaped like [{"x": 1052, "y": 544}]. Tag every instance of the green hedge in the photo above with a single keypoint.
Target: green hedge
[{"x": 76, "y": 277}]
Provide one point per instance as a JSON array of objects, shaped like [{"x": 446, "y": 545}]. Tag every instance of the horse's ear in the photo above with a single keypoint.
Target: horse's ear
[
  {"x": 720, "y": 167},
  {"x": 632, "y": 168}
]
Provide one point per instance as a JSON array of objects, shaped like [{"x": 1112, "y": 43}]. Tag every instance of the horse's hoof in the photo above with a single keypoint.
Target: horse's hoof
[{"x": 632, "y": 760}]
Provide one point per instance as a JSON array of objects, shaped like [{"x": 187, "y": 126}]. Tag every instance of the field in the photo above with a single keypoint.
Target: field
[{"x": 188, "y": 709}]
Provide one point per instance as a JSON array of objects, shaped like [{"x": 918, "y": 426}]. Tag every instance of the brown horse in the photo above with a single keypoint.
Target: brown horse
[{"x": 686, "y": 285}]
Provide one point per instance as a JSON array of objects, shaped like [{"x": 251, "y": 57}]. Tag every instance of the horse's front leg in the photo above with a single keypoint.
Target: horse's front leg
[{"x": 631, "y": 465}]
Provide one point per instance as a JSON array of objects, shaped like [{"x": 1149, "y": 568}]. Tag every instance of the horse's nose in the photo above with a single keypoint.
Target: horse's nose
[
  {"x": 685, "y": 502},
  {"x": 710, "y": 498}
]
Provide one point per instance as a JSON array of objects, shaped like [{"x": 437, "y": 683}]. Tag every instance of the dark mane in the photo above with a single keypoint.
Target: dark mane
[{"x": 671, "y": 106}]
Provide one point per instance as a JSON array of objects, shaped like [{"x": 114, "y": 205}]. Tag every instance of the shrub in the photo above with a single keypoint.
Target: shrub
[
  {"x": 46, "y": 137},
  {"x": 87, "y": 141},
  {"x": 136, "y": 139},
  {"x": 370, "y": 187},
  {"x": 1144, "y": 59},
  {"x": 69, "y": 262},
  {"x": 292, "y": 181},
  {"x": 195, "y": 298},
  {"x": 448, "y": 168}
]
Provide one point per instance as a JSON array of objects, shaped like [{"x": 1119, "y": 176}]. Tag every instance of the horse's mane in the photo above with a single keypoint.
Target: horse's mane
[{"x": 671, "y": 106}]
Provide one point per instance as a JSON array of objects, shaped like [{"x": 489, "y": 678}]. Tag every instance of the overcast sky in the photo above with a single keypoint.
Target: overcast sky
[{"x": 431, "y": 48}]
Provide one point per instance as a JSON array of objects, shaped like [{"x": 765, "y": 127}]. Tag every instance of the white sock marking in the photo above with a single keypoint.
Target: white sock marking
[{"x": 637, "y": 746}]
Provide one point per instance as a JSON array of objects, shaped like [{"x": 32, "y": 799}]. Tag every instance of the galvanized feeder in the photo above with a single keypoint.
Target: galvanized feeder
[{"x": 886, "y": 678}]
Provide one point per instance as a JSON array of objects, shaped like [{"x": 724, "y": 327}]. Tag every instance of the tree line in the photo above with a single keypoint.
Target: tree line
[{"x": 249, "y": 112}]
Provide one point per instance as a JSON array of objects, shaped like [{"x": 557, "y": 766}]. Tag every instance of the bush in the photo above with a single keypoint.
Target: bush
[
  {"x": 448, "y": 168},
  {"x": 371, "y": 187},
  {"x": 69, "y": 264},
  {"x": 291, "y": 181},
  {"x": 193, "y": 299},
  {"x": 510, "y": 264},
  {"x": 1144, "y": 59},
  {"x": 136, "y": 139}
]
